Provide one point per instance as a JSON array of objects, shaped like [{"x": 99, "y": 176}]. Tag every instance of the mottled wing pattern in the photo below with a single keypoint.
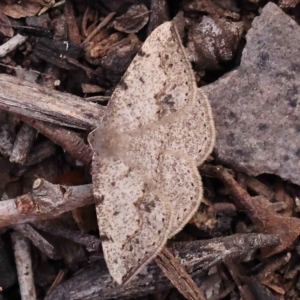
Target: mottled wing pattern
[
  {"x": 134, "y": 223},
  {"x": 193, "y": 133},
  {"x": 180, "y": 182},
  {"x": 146, "y": 184},
  {"x": 156, "y": 214},
  {"x": 158, "y": 82},
  {"x": 189, "y": 131}
]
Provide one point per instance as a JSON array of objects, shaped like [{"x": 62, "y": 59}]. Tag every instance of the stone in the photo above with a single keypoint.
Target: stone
[{"x": 256, "y": 106}]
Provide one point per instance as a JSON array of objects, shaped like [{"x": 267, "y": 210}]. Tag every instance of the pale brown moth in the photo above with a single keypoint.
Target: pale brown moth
[{"x": 158, "y": 128}]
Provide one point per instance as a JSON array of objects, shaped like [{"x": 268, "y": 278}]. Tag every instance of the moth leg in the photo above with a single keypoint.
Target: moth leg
[{"x": 179, "y": 181}]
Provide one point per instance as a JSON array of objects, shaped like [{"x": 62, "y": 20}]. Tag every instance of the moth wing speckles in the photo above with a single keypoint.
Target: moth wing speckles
[
  {"x": 189, "y": 132},
  {"x": 157, "y": 218},
  {"x": 180, "y": 182},
  {"x": 149, "y": 138},
  {"x": 194, "y": 130},
  {"x": 158, "y": 82},
  {"x": 134, "y": 224},
  {"x": 172, "y": 176}
]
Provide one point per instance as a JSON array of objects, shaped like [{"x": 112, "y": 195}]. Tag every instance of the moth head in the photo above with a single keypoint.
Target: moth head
[{"x": 106, "y": 141}]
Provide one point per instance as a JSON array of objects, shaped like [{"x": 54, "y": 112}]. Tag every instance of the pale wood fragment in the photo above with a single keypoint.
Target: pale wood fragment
[
  {"x": 23, "y": 260},
  {"x": 46, "y": 201},
  {"x": 12, "y": 44},
  {"x": 41, "y": 103},
  {"x": 23, "y": 143}
]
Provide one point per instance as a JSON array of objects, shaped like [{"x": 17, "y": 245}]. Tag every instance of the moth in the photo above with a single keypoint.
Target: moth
[{"x": 157, "y": 129}]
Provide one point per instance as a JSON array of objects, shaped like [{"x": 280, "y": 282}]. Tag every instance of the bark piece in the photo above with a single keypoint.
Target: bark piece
[
  {"x": 159, "y": 13},
  {"x": 119, "y": 57},
  {"x": 39, "y": 26},
  {"x": 58, "y": 53},
  {"x": 38, "y": 21},
  {"x": 23, "y": 143},
  {"x": 133, "y": 20},
  {"x": 208, "y": 7},
  {"x": 212, "y": 42},
  {"x": 256, "y": 107},
  {"x": 37, "y": 102},
  {"x": 196, "y": 257}
]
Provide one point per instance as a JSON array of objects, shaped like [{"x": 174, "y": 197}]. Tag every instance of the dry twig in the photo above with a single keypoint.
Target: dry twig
[
  {"x": 23, "y": 143},
  {"x": 68, "y": 139},
  {"x": 46, "y": 201},
  {"x": 178, "y": 275},
  {"x": 39, "y": 241},
  {"x": 99, "y": 27},
  {"x": 73, "y": 32},
  {"x": 38, "y": 102},
  {"x": 92, "y": 243},
  {"x": 12, "y": 44},
  {"x": 287, "y": 228},
  {"x": 24, "y": 266}
]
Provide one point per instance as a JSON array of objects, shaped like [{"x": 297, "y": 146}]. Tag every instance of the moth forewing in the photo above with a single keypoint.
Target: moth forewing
[{"x": 156, "y": 129}]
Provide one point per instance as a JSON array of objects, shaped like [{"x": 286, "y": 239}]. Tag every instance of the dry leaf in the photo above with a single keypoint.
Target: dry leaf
[
  {"x": 5, "y": 25},
  {"x": 133, "y": 20},
  {"x": 21, "y": 9},
  {"x": 157, "y": 129}
]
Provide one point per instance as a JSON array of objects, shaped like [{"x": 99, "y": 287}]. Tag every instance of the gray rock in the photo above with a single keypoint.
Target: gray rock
[{"x": 256, "y": 106}]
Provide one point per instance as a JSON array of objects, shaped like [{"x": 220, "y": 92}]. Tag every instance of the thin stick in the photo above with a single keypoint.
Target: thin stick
[
  {"x": 23, "y": 143},
  {"x": 98, "y": 28},
  {"x": 178, "y": 275},
  {"x": 39, "y": 241},
  {"x": 24, "y": 266},
  {"x": 46, "y": 201},
  {"x": 54, "y": 227},
  {"x": 68, "y": 139},
  {"x": 73, "y": 32},
  {"x": 12, "y": 44}
]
